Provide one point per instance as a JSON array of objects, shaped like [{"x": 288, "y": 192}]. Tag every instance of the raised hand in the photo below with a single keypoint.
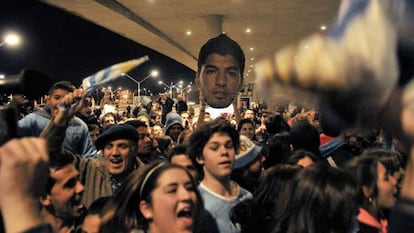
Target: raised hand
[
  {"x": 72, "y": 103},
  {"x": 23, "y": 176}
]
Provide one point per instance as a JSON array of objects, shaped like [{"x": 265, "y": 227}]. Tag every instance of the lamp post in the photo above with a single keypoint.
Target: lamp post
[
  {"x": 182, "y": 89},
  {"x": 171, "y": 86},
  {"x": 10, "y": 39},
  {"x": 179, "y": 87},
  {"x": 153, "y": 73}
]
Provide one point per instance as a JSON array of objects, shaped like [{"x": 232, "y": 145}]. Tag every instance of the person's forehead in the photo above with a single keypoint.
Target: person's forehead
[
  {"x": 59, "y": 91},
  {"x": 173, "y": 175},
  {"x": 217, "y": 60},
  {"x": 247, "y": 125},
  {"x": 63, "y": 174},
  {"x": 118, "y": 141},
  {"x": 180, "y": 158},
  {"x": 219, "y": 136}
]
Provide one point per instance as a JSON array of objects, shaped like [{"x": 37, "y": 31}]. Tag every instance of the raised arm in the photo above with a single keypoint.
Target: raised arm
[
  {"x": 54, "y": 132},
  {"x": 23, "y": 172}
]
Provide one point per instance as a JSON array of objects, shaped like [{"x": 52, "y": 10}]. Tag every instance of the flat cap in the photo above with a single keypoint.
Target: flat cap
[{"x": 122, "y": 131}]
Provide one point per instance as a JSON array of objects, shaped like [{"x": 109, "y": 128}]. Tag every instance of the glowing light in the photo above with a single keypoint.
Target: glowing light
[
  {"x": 154, "y": 73},
  {"x": 11, "y": 39}
]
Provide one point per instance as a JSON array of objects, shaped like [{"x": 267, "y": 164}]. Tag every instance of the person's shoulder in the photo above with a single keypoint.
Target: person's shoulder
[
  {"x": 96, "y": 165},
  {"x": 37, "y": 114},
  {"x": 244, "y": 193},
  {"x": 202, "y": 189},
  {"x": 76, "y": 121}
]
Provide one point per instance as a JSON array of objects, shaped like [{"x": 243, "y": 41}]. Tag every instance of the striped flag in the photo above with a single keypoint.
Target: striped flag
[{"x": 94, "y": 81}]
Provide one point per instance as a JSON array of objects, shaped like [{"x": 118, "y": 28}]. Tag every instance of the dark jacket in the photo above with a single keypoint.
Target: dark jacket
[{"x": 92, "y": 172}]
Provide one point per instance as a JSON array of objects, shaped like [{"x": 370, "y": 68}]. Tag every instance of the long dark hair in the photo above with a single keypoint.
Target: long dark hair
[
  {"x": 256, "y": 215},
  {"x": 364, "y": 171},
  {"x": 124, "y": 214},
  {"x": 319, "y": 199}
]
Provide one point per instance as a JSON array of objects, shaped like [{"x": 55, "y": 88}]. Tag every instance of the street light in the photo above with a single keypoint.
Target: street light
[
  {"x": 182, "y": 89},
  {"x": 153, "y": 73},
  {"x": 11, "y": 39},
  {"x": 171, "y": 86},
  {"x": 178, "y": 86}
]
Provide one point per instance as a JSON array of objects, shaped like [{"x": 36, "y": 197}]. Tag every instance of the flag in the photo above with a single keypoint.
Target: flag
[{"x": 94, "y": 81}]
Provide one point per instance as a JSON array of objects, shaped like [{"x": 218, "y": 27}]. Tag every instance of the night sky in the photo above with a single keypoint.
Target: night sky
[{"x": 65, "y": 47}]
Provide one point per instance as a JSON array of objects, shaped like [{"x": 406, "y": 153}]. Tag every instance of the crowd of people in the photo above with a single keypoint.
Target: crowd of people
[{"x": 162, "y": 168}]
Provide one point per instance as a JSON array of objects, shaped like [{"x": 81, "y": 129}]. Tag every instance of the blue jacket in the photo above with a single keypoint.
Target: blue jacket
[{"x": 77, "y": 139}]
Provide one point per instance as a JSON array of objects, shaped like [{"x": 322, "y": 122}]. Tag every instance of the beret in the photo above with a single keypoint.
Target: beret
[{"x": 115, "y": 132}]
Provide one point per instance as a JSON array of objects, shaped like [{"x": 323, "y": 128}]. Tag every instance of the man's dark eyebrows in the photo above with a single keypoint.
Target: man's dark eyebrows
[
  {"x": 235, "y": 68},
  {"x": 123, "y": 144},
  {"x": 207, "y": 66}
]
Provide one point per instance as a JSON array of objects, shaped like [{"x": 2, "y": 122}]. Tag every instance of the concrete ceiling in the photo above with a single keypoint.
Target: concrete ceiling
[{"x": 163, "y": 24}]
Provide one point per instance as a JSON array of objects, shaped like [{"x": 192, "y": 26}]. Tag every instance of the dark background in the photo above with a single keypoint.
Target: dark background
[{"x": 66, "y": 47}]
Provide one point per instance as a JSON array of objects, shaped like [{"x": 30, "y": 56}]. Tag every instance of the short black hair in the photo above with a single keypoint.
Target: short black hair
[
  {"x": 177, "y": 150},
  {"x": 64, "y": 85},
  {"x": 136, "y": 123},
  {"x": 222, "y": 45},
  {"x": 305, "y": 136},
  {"x": 57, "y": 162}
]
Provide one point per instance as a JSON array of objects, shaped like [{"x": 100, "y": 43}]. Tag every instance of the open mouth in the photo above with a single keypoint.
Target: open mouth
[
  {"x": 77, "y": 205},
  {"x": 116, "y": 160},
  {"x": 185, "y": 213}
]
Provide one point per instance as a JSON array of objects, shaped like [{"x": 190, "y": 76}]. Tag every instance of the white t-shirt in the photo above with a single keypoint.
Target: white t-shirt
[{"x": 216, "y": 112}]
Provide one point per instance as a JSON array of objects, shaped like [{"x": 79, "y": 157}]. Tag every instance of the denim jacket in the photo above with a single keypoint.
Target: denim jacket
[{"x": 77, "y": 139}]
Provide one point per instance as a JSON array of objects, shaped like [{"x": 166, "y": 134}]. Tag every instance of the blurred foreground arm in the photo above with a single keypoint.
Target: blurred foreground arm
[{"x": 23, "y": 173}]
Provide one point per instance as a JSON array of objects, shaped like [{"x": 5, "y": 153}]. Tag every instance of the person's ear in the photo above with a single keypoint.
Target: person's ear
[
  {"x": 45, "y": 200},
  {"x": 146, "y": 210},
  {"x": 200, "y": 160},
  {"x": 47, "y": 99},
  {"x": 367, "y": 191}
]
